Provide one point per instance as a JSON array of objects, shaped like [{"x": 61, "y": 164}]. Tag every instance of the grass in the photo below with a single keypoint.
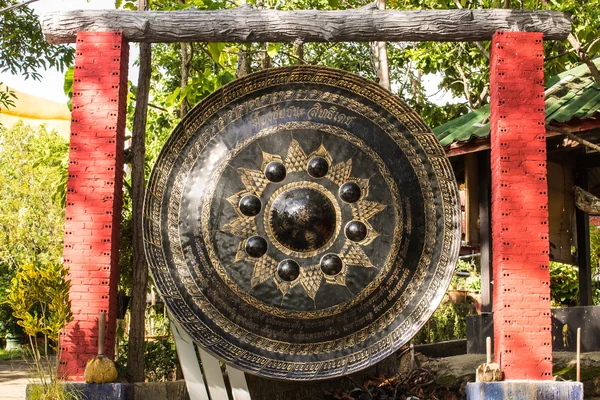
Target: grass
[
  {"x": 11, "y": 355},
  {"x": 570, "y": 371}
]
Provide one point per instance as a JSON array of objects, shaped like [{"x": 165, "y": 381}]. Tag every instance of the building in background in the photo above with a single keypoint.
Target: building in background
[{"x": 35, "y": 111}]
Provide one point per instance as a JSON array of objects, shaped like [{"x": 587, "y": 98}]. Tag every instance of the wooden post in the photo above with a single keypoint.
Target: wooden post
[
  {"x": 583, "y": 244},
  {"x": 472, "y": 198},
  {"x": 485, "y": 238}
]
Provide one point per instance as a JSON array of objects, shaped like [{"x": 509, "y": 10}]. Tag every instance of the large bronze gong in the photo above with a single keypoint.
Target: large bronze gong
[{"x": 302, "y": 223}]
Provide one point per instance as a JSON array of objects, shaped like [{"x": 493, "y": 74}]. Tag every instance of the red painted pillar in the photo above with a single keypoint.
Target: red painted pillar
[
  {"x": 521, "y": 303},
  {"x": 94, "y": 194}
]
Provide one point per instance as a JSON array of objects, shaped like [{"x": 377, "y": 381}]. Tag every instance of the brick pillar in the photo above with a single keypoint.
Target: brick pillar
[
  {"x": 94, "y": 194},
  {"x": 521, "y": 300}
]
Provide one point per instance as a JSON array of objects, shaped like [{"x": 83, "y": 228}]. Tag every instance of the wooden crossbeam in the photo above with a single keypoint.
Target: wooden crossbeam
[{"x": 247, "y": 24}]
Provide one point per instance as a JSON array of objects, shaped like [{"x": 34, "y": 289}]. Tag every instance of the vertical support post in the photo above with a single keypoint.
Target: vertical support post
[
  {"x": 522, "y": 324},
  {"x": 94, "y": 194},
  {"x": 472, "y": 197},
  {"x": 485, "y": 237},
  {"x": 583, "y": 244}
]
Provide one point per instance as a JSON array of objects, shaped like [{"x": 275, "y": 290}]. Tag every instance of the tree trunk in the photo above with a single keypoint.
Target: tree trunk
[
  {"x": 243, "y": 67},
  {"x": 135, "y": 358},
  {"x": 380, "y": 58},
  {"x": 245, "y": 24},
  {"x": 265, "y": 59},
  {"x": 299, "y": 52},
  {"x": 186, "y": 61}
]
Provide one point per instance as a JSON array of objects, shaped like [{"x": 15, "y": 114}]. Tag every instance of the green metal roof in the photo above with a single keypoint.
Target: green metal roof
[{"x": 571, "y": 94}]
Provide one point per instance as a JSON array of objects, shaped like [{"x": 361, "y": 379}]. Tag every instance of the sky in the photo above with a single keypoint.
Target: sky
[{"x": 51, "y": 84}]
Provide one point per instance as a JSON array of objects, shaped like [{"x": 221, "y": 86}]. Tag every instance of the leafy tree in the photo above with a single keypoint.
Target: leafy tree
[
  {"x": 187, "y": 76},
  {"x": 31, "y": 218},
  {"x": 464, "y": 67},
  {"x": 23, "y": 49}
]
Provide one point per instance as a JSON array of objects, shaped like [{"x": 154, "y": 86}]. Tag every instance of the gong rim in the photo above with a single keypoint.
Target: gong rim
[{"x": 266, "y": 356}]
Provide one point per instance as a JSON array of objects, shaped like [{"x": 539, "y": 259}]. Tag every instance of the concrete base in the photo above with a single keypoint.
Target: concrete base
[
  {"x": 525, "y": 390},
  {"x": 92, "y": 391}
]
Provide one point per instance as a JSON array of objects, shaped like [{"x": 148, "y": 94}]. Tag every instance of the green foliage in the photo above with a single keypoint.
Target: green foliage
[
  {"x": 8, "y": 323},
  {"x": 459, "y": 282},
  {"x": 39, "y": 297},
  {"x": 8, "y": 355},
  {"x": 463, "y": 67},
  {"x": 31, "y": 221},
  {"x": 32, "y": 280},
  {"x": 448, "y": 322},
  {"x": 564, "y": 284},
  {"x": 52, "y": 392},
  {"x": 68, "y": 86},
  {"x": 595, "y": 253},
  {"x": 564, "y": 278},
  {"x": 23, "y": 49},
  {"x": 7, "y": 97},
  {"x": 473, "y": 283},
  {"x": 160, "y": 358},
  {"x": 31, "y": 214}
]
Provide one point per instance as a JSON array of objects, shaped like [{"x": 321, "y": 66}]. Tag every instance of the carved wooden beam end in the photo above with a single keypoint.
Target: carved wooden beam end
[{"x": 246, "y": 24}]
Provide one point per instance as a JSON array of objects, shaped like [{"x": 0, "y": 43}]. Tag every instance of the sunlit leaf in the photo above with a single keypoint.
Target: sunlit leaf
[
  {"x": 273, "y": 49},
  {"x": 215, "y": 49},
  {"x": 170, "y": 100}
]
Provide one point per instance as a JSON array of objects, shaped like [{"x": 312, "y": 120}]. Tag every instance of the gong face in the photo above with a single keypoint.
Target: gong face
[{"x": 302, "y": 223}]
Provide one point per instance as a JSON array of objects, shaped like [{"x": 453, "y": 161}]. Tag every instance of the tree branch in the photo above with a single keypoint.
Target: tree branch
[
  {"x": 297, "y": 59},
  {"x": 14, "y": 6},
  {"x": 585, "y": 57},
  {"x": 573, "y": 137},
  {"x": 465, "y": 83},
  {"x": 482, "y": 96},
  {"x": 152, "y": 105},
  {"x": 558, "y": 55}
]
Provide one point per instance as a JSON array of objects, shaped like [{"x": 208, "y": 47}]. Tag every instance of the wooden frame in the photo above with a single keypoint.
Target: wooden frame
[{"x": 247, "y": 24}]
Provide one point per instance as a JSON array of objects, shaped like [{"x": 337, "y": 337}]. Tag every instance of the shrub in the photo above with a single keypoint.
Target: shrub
[
  {"x": 448, "y": 322},
  {"x": 39, "y": 297}
]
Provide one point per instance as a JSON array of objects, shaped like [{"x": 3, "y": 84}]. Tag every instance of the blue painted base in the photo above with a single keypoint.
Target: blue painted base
[
  {"x": 92, "y": 391},
  {"x": 525, "y": 390}
]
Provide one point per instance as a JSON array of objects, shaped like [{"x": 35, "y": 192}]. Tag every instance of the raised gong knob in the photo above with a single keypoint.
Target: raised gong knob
[{"x": 302, "y": 219}]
